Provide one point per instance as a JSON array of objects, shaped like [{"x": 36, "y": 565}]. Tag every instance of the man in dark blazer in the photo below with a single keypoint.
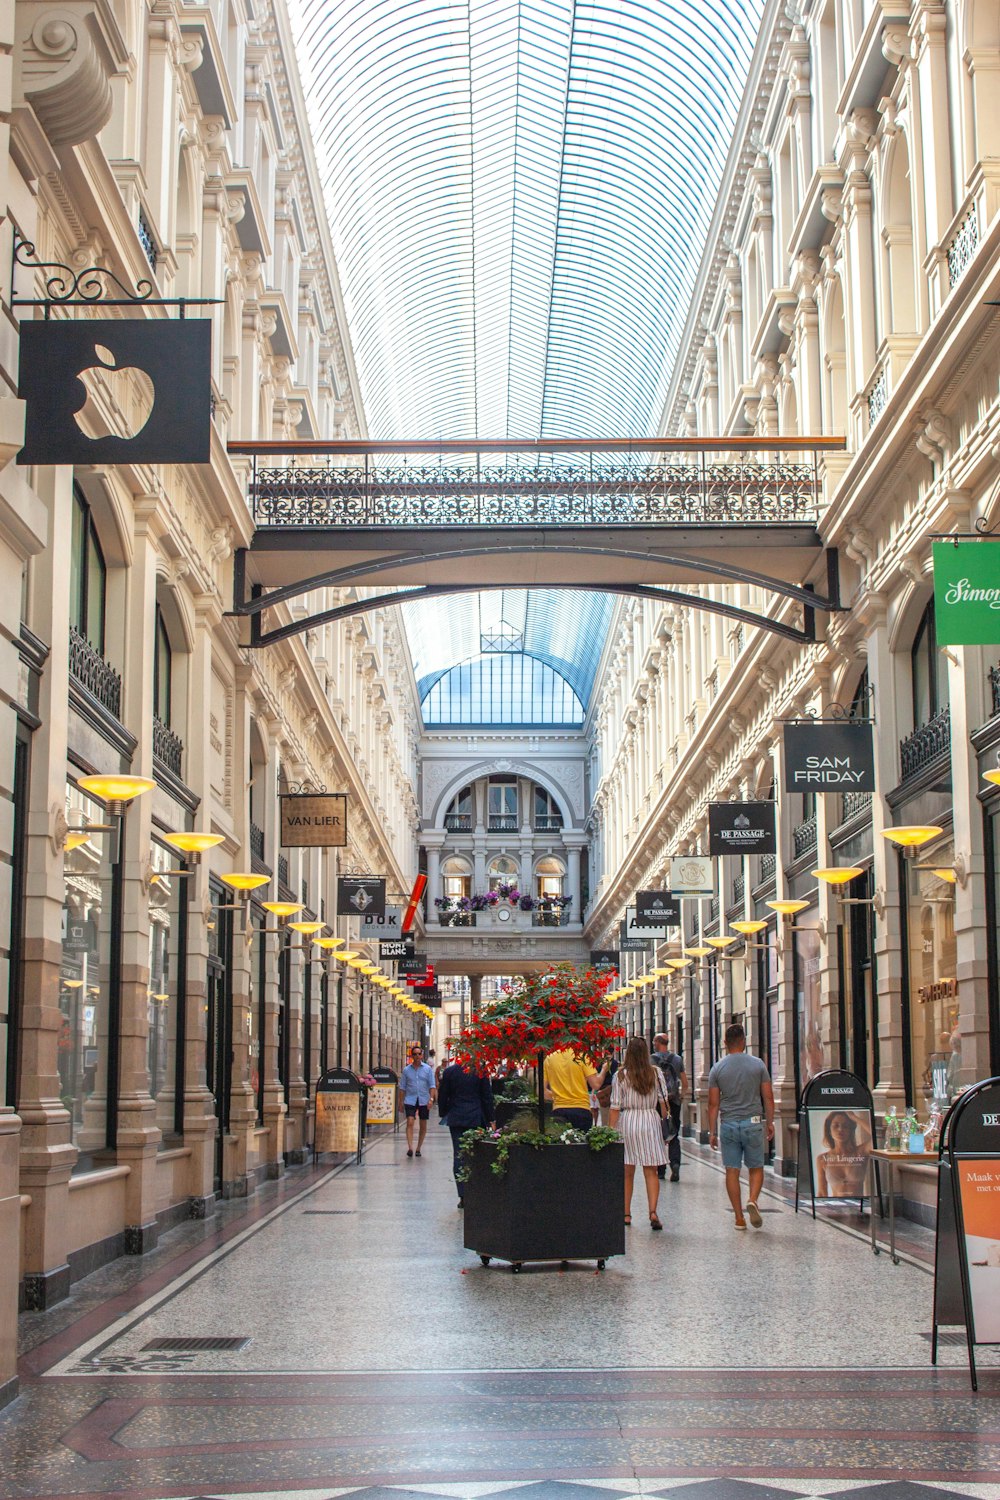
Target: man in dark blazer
[{"x": 465, "y": 1102}]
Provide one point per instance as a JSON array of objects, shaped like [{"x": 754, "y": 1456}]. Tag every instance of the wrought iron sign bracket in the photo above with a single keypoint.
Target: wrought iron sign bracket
[
  {"x": 981, "y": 532},
  {"x": 93, "y": 286}
]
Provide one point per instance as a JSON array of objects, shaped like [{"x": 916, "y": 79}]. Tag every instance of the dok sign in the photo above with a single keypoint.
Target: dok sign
[
  {"x": 741, "y": 828},
  {"x": 829, "y": 757},
  {"x": 158, "y": 376},
  {"x": 311, "y": 821},
  {"x": 966, "y": 593}
]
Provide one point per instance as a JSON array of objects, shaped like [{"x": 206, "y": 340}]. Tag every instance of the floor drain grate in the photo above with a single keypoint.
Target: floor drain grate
[
  {"x": 188, "y": 1345},
  {"x": 325, "y": 1213},
  {"x": 946, "y": 1337}
]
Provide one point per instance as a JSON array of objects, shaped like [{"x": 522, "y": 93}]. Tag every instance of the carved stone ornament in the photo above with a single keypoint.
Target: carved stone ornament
[{"x": 64, "y": 59}]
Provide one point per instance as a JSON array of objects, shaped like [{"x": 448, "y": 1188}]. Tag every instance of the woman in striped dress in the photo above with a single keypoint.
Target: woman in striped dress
[{"x": 638, "y": 1101}]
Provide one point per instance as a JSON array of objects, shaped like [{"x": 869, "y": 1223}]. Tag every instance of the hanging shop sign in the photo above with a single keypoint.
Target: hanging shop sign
[
  {"x": 742, "y": 828},
  {"x": 967, "y": 1238},
  {"x": 414, "y": 963},
  {"x": 311, "y": 821},
  {"x": 360, "y": 895},
  {"x": 967, "y": 593},
  {"x": 383, "y": 924},
  {"x": 604, "y": 958},
  {"x": 383, "y": 1098},
  {"x": 836, "y": 1137},
  {"x": 658, "y": 909},
  {"x": 151, "y": 378},
  {"x": 394, "y": 948},
  {"x": 631, "y": 939},
  {"x": 427, "y": 994},
  {"x": 829, "y": 756},
  {"x": 339, "y": 1099},
  {"x": 692, "y": 876}
]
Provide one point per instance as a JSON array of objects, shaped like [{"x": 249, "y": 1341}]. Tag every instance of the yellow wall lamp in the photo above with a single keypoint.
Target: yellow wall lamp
[{"x": 116, "y": 791}]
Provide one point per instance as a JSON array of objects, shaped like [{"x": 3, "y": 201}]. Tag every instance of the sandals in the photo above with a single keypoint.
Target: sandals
[{"x": 654, "y": 1222}]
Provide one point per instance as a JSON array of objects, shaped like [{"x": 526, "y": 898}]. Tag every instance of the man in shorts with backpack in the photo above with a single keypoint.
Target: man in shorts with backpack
[{"x": 672, "y": 1068}]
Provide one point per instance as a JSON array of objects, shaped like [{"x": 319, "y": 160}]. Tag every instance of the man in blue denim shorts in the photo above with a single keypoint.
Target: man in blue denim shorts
[{"x": 739, "y": 1090}]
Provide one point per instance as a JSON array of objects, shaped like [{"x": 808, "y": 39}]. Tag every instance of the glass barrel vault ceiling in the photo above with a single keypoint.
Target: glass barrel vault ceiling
[{"x": 519, "y": 192}]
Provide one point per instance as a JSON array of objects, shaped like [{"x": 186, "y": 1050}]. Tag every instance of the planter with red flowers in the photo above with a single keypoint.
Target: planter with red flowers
[{"x": 549, "y": 1193}]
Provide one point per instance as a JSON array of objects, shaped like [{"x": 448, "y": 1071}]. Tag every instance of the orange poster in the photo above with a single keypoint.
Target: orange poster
[{"x": 979, "y": 1185}]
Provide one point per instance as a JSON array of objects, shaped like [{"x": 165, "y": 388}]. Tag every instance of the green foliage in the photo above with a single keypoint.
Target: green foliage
[{"x": 555, "y": 1134}]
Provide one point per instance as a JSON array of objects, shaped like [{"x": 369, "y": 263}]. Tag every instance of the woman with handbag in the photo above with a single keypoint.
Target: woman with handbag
[{"x": 638, "y": 1103}]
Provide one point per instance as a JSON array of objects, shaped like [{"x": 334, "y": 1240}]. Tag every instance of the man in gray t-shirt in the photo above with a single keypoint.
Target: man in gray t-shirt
[{"x": 740, "y": 1093}]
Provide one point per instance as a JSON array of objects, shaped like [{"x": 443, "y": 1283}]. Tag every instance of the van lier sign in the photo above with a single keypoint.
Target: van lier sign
[
  {"x": 829, "y": 757},
  {"x": 309, "y": 821},
  {"x": 967, "y": 593}
]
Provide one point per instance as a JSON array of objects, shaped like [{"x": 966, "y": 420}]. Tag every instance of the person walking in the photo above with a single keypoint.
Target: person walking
[
  {"x": 465, "y": 1101},
  {"x": 419, "y": 1091},
  {"x": 671, "y": 1065},
  {"x": 569, "y": 1079},
  {"x": 741, "y": 1096},
  {"x": 638, "y": 1102}
]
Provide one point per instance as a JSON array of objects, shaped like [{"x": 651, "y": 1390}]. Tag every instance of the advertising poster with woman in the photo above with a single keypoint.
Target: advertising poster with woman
[
  {"x": 841, "y": 1143},
  {"x": 979, "y": 1185}
]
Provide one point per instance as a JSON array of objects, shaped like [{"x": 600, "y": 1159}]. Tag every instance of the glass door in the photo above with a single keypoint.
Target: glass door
[{"x": 219, "y": 1020}]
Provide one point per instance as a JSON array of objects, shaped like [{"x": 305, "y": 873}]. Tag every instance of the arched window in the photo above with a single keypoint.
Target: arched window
[
  {"x": 502, "y": 871},
  {"x": 549, "y": 874},
  {"x": 88, "y": 585},
  {"x": 162, "y": 667},
  {"x": 928, "y": 672},
  {"x": 456, "y": 879}
]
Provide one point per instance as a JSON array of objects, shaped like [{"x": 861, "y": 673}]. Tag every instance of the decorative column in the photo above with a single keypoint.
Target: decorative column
[
  {"x": 432, "y": 840},
  {"x": 475, "y": 993},
  {"x": 573, "y": 842}
]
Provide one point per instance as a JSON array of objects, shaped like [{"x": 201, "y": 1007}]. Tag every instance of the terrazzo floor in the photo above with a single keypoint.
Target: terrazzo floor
[{"x": 382, "y": 1358}]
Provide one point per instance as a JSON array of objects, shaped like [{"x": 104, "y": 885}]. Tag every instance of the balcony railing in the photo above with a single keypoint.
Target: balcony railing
[
  {"x": 505, "y": 823},
  {"x": 548, "y": 822},
  {"x": 878, "y": 396},
  {"x": 804, "y": 837},
  {"x": 88, "y": 667},
  {"x": 768, "y": 866},
  {"x": 739, "y": 889},
  {"x": 542, "y": 917},
  {"x": 257, "y": 842},
  {"x": 925, "y": 744},
  {"x": 458, "y": 822},
  {"x": 995, "y": 689},
  {"x": 963, "y": 247},
  {"x": 457, "y": 918},
  {"x": 283, "y": 869},
  {"x": 168, "y": 747},
  {"x": 854, "y": 804}
]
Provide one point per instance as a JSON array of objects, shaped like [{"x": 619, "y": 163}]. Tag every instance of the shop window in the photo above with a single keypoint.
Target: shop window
[
  {"x": 992, "y": 815},
  {"x": 162, "y": 670},
  {"x": 501, "y": 871},
  {"x": 167, "y": 916},
  {"x": 809, "y": 1056},
  {"x": 928, "y": 672},
  {"x": 932, "y": 986},
  {"x": 257, "y": 1014},
  {"x": 87, "y": 1023},
  {"x": 11, "y": 987},
  {"x": 88, "y": 577},
  {"x": 859, "y": 1052}
]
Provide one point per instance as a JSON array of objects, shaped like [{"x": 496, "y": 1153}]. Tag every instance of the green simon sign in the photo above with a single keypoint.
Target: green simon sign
[{"x": 967, "y": 593}]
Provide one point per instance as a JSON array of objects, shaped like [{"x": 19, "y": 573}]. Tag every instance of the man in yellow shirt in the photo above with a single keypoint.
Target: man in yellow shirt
[{"x": 569, "y": 1077}]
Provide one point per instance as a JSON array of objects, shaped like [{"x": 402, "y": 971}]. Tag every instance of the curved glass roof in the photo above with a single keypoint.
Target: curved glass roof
[{"x": 519, "y": 193}]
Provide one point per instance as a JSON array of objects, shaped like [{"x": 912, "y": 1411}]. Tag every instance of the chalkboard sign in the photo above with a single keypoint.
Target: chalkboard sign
[
  {"x": 836, "y": 1138},
  {"x": 339, "y": 1113},
  {"x": 967, "y": 1238}
]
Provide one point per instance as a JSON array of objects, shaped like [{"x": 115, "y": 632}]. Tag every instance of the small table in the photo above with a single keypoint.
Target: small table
[{"x": 892, "y": 1160}]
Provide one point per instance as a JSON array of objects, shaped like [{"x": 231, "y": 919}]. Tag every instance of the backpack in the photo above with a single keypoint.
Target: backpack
[{"x": 671, "y": 1066}]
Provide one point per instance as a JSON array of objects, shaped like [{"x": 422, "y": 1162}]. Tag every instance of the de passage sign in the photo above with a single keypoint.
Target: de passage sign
[{"x": 967, "y": 593}]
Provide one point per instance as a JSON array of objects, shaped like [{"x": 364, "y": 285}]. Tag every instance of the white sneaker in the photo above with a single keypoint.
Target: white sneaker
[{"x": 753, "y": 1214}]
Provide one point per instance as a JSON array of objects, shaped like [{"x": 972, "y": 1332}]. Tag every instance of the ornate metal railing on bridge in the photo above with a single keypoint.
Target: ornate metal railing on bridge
[{"x": 652, "y": 482}]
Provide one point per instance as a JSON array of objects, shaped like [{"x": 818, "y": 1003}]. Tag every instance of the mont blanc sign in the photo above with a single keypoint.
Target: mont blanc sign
[
  {"x": 967, "y": 593},
  {"x": 309, "y": 821},
  {"x": 829, "y": 757}
]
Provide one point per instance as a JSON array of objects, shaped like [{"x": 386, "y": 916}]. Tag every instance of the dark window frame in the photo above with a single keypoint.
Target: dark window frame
[
  {"x": 87, "y": 549},
  {"x": 162, "y": 671}
]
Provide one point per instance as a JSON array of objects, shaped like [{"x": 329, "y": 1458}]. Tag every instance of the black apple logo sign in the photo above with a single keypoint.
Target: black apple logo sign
[{"x": 120, "y": 382}]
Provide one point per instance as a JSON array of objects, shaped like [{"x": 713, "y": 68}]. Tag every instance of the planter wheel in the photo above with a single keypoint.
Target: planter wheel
[
  {"x": 516, "y": 1266},
  {"x": 601, "y": 1264},
  {"x": 485, "y": 1259}
]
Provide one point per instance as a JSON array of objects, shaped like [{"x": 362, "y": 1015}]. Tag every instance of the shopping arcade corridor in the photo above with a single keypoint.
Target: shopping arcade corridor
[{"x": 381, "y": 1353}]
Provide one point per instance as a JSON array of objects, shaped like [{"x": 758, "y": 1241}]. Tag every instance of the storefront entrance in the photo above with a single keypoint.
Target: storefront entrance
[{"x": 219, "y": 1020}]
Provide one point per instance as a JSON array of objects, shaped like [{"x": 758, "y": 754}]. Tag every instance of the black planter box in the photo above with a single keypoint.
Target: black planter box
[
  {"x": 558, "y": 1203},
  {"x": 504, "y": 1110}
]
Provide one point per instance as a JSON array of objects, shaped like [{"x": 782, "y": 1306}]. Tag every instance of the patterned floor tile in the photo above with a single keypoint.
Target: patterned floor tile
[{"x": 725, "y": 1489}]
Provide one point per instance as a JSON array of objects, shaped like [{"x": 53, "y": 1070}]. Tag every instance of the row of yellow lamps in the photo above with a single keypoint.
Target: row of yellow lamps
[
  {"x": 117, "y": 791},
  {"x": 909, "y": 836}
]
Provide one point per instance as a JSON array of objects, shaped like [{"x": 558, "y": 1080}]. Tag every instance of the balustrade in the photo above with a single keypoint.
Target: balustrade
[
  {"x": 925, "y": 744},
  {"x": 168, "y": 747},
  {"x": 88, "y": 667}
]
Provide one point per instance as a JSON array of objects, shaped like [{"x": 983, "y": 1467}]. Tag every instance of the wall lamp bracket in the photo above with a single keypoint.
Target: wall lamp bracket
[{"x": 876, "y": 902}]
